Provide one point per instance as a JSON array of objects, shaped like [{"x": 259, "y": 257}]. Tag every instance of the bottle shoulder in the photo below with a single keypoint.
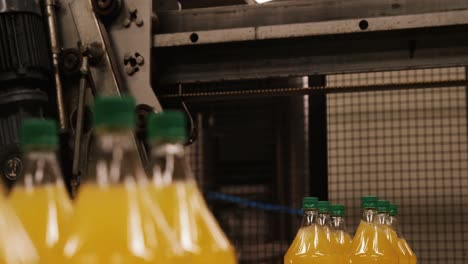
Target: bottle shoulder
[
  {"x": 371, "y": 239},
  {"x": 314, "y": 239},
  {"x": 135, "y": 220}
]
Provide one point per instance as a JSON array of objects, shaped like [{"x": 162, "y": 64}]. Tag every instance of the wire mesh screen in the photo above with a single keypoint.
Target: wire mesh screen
[
  {"x": 408, "y": 146},
  {"x": 243, "y": 156}
]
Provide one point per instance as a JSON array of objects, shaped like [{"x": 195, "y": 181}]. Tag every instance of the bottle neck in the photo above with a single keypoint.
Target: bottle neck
[
  {"x": 338, "y": 223},
  {"x": 310, "y": 217},
  {"x": 169, "y": 164},
  {"x": 324, "y": 219},
  {"x": 382, "y": 218},
  {"x": 395, "y": 225},
  {"x": 41, "y": 168},
  {"x": 368, "y": 214},
  {"x": 116, "y": 158}
]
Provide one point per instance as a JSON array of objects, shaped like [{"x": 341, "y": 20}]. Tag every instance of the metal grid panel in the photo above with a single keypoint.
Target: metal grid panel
[
  {"x": 243, "y": 150},
  {"x": 257, "y": 235},
  {"x": 409, "y": 146},
  {"x": 396, "y": 77}
]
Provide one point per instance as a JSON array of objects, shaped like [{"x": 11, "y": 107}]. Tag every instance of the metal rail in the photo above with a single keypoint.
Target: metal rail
[
  {"x": 294, "y": 12},
  {"x": 300, "y": 38},
  {"x": 310, "y": 29},
  {"x": 196, "y": 95}
]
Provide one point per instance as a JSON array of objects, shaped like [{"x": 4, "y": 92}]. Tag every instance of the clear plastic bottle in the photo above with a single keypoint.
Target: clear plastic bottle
[
  {"x": 16, "y": 246},
  {"x": 340, "y": 238},
  {"x": 383, "y": 219},
  {"x": 324, "y": 219},
  {"x": 370, "y": 244},
  {"x": 113, "y": 222},
  {"x": 310, "y": 246},
  {"x": 175, "y": 190},
  {"x": 39, "y": 197},
  {"x": 397, "y": 235}
]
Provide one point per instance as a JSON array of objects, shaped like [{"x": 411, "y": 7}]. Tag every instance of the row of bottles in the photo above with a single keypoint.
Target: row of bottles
[
  {"x": 323, "y": 238},
  {"x": 121, "y": 214}
]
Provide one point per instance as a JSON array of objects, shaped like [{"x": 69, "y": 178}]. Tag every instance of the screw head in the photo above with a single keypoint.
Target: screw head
[
  {"x": 127, "y": 22},
  {"x": 132, "y": 9},
  {"x": 127, "y": 58},
  {"x": 139, "y": 22},
  {"x": 129, "y": 70},
  {"x": 140, "y": 60}
]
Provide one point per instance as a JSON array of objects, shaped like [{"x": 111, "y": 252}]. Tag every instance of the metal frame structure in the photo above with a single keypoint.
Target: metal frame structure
[
  {"x": 302, "y": 38},
  {"x": 254, "y": 50}
]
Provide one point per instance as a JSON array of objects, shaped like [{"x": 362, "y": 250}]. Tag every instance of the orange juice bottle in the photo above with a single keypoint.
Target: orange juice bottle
[
  {"x": 397, "y": 235},
  {"x": 382, "y": 219},
  {"x": 340, "y": 238},
  {"x": 39, "y": 197},
  {"x": 175, "y": 191},
  {"x": 16, "y": 246},
  {"x": 113, "y": 222},
  {"x": 370, "y": 244},
  {"x": 310, "y": 246},
  {"x": 324, "y": 219}
]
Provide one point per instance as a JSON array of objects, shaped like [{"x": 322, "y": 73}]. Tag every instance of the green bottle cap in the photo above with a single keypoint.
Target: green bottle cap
[
  {"x": 323, "y": 206},
  {"x": 393, "y": 209},
  {"x": 114, "y": 112},
  {"x": 369, "y": 201},
  {"x": 39, "y": 133},
  {"x": 167, "y": 126},
  {"x": 309, "y": 202},
  {"x": 337, "y": 210},
  {"x": 382, "y": 206}
]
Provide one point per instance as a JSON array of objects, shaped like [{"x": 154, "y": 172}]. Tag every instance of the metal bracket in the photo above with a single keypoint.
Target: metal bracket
[
  {"x": 79, "y": 24},
  {"x": 130, "y": 35}
]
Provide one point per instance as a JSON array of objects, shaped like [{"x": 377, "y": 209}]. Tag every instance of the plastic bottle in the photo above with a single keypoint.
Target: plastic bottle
[
  {"x": 340, "y": 238},
  {"x": 15, "y": 245},
  {"x": 370, "y": 244},
  {"x": 383, "y": 219},
  {"x": 39, "y": 196},
  {"x": 310, "y": 246},
  {"x": 324, "y": 219},
  {"x": 113, "y": 224},
  {"x": 175, "y": 190},
  {"x": 397, "y": 235}
]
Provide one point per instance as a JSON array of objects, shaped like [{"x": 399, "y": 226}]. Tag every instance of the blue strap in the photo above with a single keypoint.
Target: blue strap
[{"x": 253, "y": 204}]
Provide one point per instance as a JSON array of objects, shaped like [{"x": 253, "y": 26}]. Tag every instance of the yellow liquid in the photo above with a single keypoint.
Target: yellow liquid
[
  {"x": 15, "y": 245},
  {"x": 311, "y": 246},
  {"x": 113, "y": 226},
  {"x": 371, "y": 246},
  {"x": 411, "y": 257},
  {"x": 197, "y": 231},
  {"x": 45, "y": 212},
  {"x": 405, "y": 254},
  {"x": 340, "y": 241},
  {"x": 398, "y": 247}
]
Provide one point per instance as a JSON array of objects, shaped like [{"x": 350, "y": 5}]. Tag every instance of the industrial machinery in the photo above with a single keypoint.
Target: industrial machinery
[
  {"x": 25, "y": 76},
  {"x": 55, "y": 55}
]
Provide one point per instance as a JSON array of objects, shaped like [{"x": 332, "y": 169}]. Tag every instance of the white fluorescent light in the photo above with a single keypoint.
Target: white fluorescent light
[{"x": 262, "y": 1}]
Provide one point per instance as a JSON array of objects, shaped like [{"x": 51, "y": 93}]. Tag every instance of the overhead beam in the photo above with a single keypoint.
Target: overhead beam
[
  {"x": 325, "y": 37},
  {"x": 292, "y": 12},
  {"x": 378, "y": 51},
  {"x": 310, "y": 29}
]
